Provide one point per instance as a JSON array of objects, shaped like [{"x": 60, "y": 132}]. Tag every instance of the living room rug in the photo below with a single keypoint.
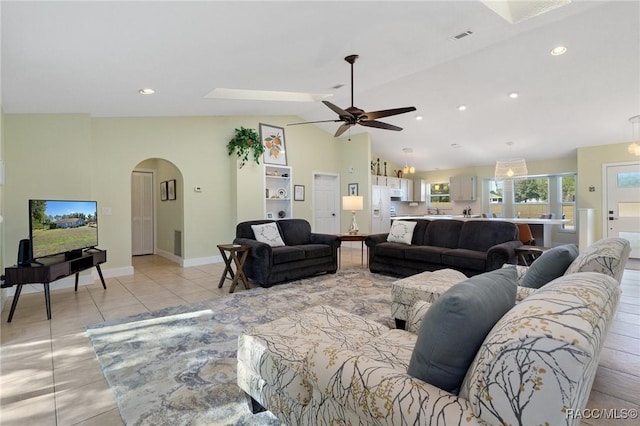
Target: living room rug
[{"x": 177, "y": 366}]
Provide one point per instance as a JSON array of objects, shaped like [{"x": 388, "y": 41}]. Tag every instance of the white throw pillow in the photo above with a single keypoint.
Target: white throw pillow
[
  {"x": 401, "y": 232},
  {"x": 268, "y": 233}
]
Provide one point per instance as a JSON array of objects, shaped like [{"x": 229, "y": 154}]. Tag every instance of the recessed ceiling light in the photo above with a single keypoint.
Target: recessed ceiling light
[
  {"x": 146, "y": 91},
  {"x": 418, "y": 117},
  {"x": 559, "y": 50},
  {"x": 514, "y": 95},
  {"x": 462, "y": 108}
]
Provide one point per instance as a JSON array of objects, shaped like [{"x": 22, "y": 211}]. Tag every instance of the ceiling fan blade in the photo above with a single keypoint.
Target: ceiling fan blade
[
  {"x": 337, "y": 109},
  {"x": 374, "y": 115},
  {"x": 342, "y": 129},
  {"x": 379, "y": 125},
  {"x": 311, "y": 122}
]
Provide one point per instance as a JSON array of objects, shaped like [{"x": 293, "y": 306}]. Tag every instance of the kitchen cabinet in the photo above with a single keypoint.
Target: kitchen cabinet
[
  {"x": 419, "y": 193},
  {"x": 406, "y": 189},
  {"x": 379, "y": 180},
  {"x": 393, "y": 182},
  {"x": 462, "y": 188}
]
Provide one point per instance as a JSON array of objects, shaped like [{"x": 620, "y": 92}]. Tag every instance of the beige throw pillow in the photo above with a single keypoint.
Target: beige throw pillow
[
  {"x": 268, "y": 233},
  {"x": 401, "y": 232}
]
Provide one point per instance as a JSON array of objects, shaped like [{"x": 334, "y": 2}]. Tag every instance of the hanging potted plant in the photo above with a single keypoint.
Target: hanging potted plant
[{"x": 244, "y": 143}]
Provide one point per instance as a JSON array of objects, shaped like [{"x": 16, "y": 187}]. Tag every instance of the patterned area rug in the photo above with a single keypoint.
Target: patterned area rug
[{"x": 177, "y": 366}]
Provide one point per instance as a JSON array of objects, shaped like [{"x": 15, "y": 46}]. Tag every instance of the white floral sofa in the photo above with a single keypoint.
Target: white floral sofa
[
  {"x": 324, "y": 366},
  {"x": 606, "y": 256}
]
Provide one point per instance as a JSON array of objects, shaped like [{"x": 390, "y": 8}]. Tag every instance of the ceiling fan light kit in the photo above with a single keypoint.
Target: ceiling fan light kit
[{"x": 354, "y": 115}]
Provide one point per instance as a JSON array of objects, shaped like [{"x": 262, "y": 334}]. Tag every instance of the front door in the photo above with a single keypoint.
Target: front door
[
  {"x": 623, "y": 204},
  {"x": 325, "y": 204}
]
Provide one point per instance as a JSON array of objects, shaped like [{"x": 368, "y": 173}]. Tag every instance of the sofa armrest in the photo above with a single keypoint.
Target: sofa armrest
[
  {"x": 328, "y": 239},
  {"x": 256, "y": 248},
  {"x": 502, "y": 253},
  {"x": 374, "y": 239},
  {"x": 377, "y": 393}
]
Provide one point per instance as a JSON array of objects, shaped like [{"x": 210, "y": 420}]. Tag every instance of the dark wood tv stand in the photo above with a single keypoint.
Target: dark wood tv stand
[{"x": 49, "y": 269}]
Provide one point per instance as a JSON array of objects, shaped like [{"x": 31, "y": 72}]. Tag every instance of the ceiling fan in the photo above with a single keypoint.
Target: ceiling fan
[{"x": 354, "y": 115}]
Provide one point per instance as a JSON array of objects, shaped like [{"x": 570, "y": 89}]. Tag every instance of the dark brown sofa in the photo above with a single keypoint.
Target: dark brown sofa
[
  {"x": 305, "y": 253},
  {"x": 471, "y": 247}
]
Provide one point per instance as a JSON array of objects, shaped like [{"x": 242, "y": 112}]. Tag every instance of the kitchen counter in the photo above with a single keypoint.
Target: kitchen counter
[{"x": 547, "y": 224}]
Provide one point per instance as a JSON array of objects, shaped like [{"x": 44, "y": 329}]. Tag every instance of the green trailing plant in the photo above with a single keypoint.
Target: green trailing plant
[{"x": 246, "y": 142}]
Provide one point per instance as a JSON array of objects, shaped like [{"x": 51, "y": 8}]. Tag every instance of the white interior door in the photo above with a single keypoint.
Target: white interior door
[
  {"x": 141, "y": 213},
  {"x": 326, "y": 206},
  {"x": 623, "y": 204}
]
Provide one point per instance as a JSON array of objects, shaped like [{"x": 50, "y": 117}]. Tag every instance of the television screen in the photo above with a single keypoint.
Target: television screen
[{"x": 57, "y": 226}]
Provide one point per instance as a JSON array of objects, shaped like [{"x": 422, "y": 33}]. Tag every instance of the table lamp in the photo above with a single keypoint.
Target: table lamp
[{"x": 353, "y": 203}]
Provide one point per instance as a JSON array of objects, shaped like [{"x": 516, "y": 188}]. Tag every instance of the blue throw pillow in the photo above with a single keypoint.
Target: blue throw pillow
[
  {"x": 552, "y": 264},
  {"x": 457, "y": 323}
]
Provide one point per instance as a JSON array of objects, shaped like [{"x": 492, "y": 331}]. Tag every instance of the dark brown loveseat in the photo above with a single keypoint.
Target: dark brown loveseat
[
  {"x": 471, "y": 247},
  {"x": 304, "y": 254}
]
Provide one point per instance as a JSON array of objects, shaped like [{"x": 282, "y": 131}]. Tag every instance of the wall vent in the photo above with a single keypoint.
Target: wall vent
[{"x": 177, "y": 243}]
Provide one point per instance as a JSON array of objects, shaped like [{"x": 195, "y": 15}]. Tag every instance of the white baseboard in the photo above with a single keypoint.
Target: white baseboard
[{"x": 185, "y": 263}]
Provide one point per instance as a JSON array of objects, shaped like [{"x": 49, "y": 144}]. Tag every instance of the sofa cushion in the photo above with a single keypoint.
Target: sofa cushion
[
  {"x": 314, "y": 251},
  {"x": 286, "y": 254},
  {"x": 268, "y": 233},
  {"x": 295, "y": 232},
  {"x": 481, "y": 235},
  {"x": 419, "y": 233},
  {"x": 394, "y": 250},
  {"x": 443, "y": 233},
  {"x": 457, "y": 323},
  {"x": 428, "y": 254},
  {"x": 607, "y": 256},
  {"x": 401, "y": 232},
  {"x": 465, "y": 259},
  {"x": 552, "y": 264}
]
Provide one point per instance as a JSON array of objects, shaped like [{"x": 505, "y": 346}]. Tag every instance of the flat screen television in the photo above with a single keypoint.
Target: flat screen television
[{"x": 62, "y": 226}]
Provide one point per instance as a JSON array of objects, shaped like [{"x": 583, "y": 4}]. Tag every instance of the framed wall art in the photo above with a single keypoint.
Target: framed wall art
[
  {"x": 353, "y": 189},
  {"x": 298, "y": 192},
  {"x": 163, "y": 191},
  {"x": 171, "y": 189},
  {"x": 272, "y": 138}
]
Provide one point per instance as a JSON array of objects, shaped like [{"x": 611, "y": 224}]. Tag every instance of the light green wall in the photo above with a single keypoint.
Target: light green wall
[
  {"x": 76, "y": 156},
  {"x": 47, "y": 156},
  {"x": 355, "y": 168}
]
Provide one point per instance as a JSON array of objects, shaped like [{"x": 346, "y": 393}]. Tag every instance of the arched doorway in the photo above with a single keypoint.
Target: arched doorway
[{"x": 157, "y": 209}]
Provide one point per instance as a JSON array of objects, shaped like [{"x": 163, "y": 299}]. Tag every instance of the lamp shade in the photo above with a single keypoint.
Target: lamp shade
[
  {"x": 352, "y": 202},
  {"x": 511, "y": 168}
]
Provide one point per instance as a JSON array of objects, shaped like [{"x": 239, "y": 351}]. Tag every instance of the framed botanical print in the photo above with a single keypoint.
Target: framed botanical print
[{"x": 272, "y": 138}]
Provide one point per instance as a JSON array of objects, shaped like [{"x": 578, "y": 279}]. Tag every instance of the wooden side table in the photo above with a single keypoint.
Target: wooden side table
[
  {"x": 354, "y": 237},
  {"x": 528, "y": 254},
  {"x": 230, "y": 253}
]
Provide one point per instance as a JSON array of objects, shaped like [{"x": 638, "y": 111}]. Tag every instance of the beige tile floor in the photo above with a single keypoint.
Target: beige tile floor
[{"x": 49, "y": 374}]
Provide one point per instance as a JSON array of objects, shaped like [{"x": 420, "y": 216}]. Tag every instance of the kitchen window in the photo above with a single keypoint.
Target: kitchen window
[{"x": 439, "y": 195}]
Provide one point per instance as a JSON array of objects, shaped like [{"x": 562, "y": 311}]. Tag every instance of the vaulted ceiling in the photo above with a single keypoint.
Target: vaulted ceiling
[{"x": 93, "y": 57}]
